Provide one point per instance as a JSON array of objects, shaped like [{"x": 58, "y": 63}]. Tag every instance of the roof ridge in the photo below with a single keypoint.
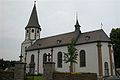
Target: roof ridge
[
  {"x": 56, "y": 35},
  {"x": 92, "y": 31},
  {"x": 68, "y": 33}
]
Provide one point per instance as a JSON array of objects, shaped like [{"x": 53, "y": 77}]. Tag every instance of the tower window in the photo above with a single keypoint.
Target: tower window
[
  {"x": 27, "y": 31},
  {"x": 32, "y": 65},
  {"x": 37, "y": 31},
  {"x": 32, "y": 30}
]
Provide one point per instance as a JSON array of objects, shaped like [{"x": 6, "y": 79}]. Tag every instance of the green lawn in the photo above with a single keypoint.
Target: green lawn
[
  {"x": 34, "y": 78},
  {"x": 38, "y": 78}
]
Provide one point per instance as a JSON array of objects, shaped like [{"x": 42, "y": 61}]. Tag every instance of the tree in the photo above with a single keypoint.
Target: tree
[
  {"x": 71, "y": 56},
  {"x": 115, "y": 38},
  {"x": 1, "y": 63}
]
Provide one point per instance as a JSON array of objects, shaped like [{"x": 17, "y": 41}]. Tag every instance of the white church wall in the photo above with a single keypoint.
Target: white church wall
[
  {"x": 36, "y": 60},
  {"x": 35, "y": 52},
  {"x": 91, "y": 58},
  {"x": 41, "y": 61},
  {"x": 24, "y": 44},
  {"x": 106, "y": 57},
  {"x": 113, "y": 63},
  {"x": 28, "y": 59},
  {"x": 42, "y": 51},
  {"x": 65, "y": 66}
]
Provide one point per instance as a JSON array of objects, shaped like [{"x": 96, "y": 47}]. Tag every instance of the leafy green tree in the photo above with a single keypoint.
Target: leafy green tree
[
  {"x": 71, "y": 56},
  {"x": 115, "y": 38}
]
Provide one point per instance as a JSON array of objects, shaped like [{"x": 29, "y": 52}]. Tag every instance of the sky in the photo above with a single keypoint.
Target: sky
[{"x": 55, "y": 17}]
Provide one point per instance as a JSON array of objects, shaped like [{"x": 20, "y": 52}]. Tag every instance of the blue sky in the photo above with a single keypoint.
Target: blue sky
[{"x": 55, "y": 17}]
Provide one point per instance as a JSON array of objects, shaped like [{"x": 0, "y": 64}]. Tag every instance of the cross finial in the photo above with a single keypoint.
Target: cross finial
[
  {"x": 101, "y": 25},
  {"x": 77, "y": 23},
  {"x": 76, "y": 15},
  {"x": 35, "y": 2},
  {"x": 21, "y": 57}
]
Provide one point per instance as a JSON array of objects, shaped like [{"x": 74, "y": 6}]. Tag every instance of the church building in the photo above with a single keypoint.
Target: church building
[{"x": 94, "y": 49}]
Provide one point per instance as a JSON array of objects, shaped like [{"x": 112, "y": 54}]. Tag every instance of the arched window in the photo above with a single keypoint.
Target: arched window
[
  {"x": 106, "y": 69},
  {"x": 32, "y": 58},
  {"x": 32, "y": 30},
  {"x": 32, "y": 65},
  {"x": 44, "y": 57},
  {"x": 59, "y": 61},
  {"x": 82, "y": 58}
]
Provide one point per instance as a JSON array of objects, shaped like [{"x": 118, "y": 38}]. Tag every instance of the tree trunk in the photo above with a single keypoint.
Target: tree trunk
[{"x": 71, "y": 67}]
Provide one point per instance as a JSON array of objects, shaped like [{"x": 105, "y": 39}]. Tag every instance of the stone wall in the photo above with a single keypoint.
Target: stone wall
[
  {"x": 6, "y": 75},
  {"x": 50, "y": 74},
  {"x": 74, "y": 76},
  {"x": 49, "y": 69},
  {"x": 19, "y": 72}
]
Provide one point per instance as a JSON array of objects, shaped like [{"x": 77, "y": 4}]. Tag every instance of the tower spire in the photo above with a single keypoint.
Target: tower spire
[
  {"x": 33, "y": 21},
  {"x": 77, "y": 26}
]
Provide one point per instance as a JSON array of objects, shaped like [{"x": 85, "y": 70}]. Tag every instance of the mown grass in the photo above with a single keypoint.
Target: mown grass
[{"x": 34, "y": 78}]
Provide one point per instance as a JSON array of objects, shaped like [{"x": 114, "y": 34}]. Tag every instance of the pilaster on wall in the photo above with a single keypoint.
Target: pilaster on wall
[
  {"x": 100, "y": 64},
  {"x": 25, "y": 55},
  {"x": 110, "y": 57},
  {"x": 38, "y": 62}
]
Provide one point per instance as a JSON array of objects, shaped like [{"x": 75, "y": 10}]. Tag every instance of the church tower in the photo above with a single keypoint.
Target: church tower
[
  {"x": 32, "y": 32},
  {"x": 33, "y": 28}
]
